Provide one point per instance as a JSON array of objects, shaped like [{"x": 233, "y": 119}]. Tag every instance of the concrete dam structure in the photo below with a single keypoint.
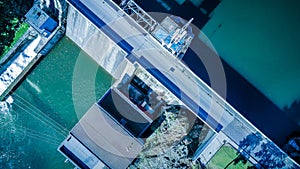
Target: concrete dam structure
[
  {"x": 95, "y": 43},
  {"x": 149, "y": 80}
]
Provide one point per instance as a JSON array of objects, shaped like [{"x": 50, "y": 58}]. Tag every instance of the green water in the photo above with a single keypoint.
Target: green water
[
  {"x": 47, "y": 105},
  {"x": 260, "y": 39}
]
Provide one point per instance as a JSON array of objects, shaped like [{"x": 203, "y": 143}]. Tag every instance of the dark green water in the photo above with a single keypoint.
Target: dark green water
[
  {"x": 47, "y": 105},
  {"x": 261, "y": 43}
]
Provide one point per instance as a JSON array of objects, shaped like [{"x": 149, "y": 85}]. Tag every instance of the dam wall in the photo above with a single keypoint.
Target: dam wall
[{"x": 95, "y": 43}]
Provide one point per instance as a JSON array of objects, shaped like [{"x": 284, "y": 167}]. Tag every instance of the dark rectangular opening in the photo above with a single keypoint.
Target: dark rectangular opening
[
  {"x": 72, "y": 157},
  {"x": 124, "y": 113}
]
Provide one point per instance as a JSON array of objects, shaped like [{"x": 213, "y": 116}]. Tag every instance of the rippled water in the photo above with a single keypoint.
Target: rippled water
[{"x": 43, "y": 108}]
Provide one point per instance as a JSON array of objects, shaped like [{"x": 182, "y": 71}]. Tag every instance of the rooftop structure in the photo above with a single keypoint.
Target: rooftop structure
[
  {"x": 153, "y": 80},
  {"x": 116, "y": 129},
  {"x": 173, "y": 33},
  {"x": 42, "y": 29},
  {"x": 173, "y": 37},
  {"x": 89, "y": 147},
  {"x": 40, "y": 21}
]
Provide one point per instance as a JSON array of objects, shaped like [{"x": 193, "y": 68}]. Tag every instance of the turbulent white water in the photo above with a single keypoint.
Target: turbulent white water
[
  {"x": 18, "y": 65},
  {"x": 29, "y": 51},
  {"x": 34, "y": 86},
  {"x": 6, "y": 105},
  {"x": 6, "y": 118}
]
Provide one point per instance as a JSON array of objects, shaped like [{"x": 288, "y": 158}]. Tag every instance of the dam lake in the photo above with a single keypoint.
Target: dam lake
[{"x": 47, "y": 104}]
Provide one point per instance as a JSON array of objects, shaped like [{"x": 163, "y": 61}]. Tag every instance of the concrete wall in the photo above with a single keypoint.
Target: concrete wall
[{"x": 95, "y": 43}]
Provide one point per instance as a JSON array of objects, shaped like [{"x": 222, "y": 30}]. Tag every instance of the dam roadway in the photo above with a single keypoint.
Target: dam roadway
[
  {"x": 142, "y": 48},
  {"x": 145, "y": 50}
]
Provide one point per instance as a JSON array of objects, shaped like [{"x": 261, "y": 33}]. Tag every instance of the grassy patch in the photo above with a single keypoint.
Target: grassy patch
[
  {"x": 224, "y": 156},
  {"x": 18, "y": 34}
]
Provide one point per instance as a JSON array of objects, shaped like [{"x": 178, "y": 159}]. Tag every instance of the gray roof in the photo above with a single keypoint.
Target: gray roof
[{"x": 106, "y": 138}]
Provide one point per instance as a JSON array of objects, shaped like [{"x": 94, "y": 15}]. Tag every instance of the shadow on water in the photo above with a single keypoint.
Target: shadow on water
[
  {"x": 250, "y": 102},
  {"x": 186, "y": 10},
  {"x": 257, "y": 108},
  {"x": 293, "y": 111},
  {"x": 242, "y": 95}
]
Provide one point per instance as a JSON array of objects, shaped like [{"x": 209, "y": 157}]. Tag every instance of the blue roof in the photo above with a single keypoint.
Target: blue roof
[{"x": 49, "y": 25}]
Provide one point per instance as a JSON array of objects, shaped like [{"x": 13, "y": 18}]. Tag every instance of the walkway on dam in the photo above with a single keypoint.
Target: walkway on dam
[
  {"x": 144, "y": 51},
  {"x": 241, "y": 94},
  {"x": 148, "y": 52}
]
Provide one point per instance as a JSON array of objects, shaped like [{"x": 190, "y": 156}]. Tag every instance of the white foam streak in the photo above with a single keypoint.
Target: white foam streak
[{"x": 34, "y": 86}]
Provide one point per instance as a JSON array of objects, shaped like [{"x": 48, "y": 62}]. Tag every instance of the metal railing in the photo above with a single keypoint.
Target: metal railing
[{"x": 139, "y": 15}]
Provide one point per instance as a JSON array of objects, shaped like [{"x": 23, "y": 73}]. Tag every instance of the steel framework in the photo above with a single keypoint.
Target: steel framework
[{"x": 139, "y": 15}]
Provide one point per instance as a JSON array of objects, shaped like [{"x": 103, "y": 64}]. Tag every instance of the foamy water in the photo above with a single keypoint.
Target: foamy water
[
  {"x": 41, "y": 111},
  {"x": 18, "y": 65}
]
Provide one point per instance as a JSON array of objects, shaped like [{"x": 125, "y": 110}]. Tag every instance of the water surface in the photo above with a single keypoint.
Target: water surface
[{"x": 44, "y": 107}]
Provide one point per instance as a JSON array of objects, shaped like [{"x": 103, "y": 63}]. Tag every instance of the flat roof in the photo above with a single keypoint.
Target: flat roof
[
  {"x": 178, "y": 92},
  {"x": 199, "y": 101},
  {"x": 123, "y": 111},
  {"x": 106, "y": 138},
  {"x": 40, "y": 21}
]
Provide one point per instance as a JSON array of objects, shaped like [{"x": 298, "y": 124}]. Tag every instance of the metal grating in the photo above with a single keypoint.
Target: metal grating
[{"x": 139, "y": 15}]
